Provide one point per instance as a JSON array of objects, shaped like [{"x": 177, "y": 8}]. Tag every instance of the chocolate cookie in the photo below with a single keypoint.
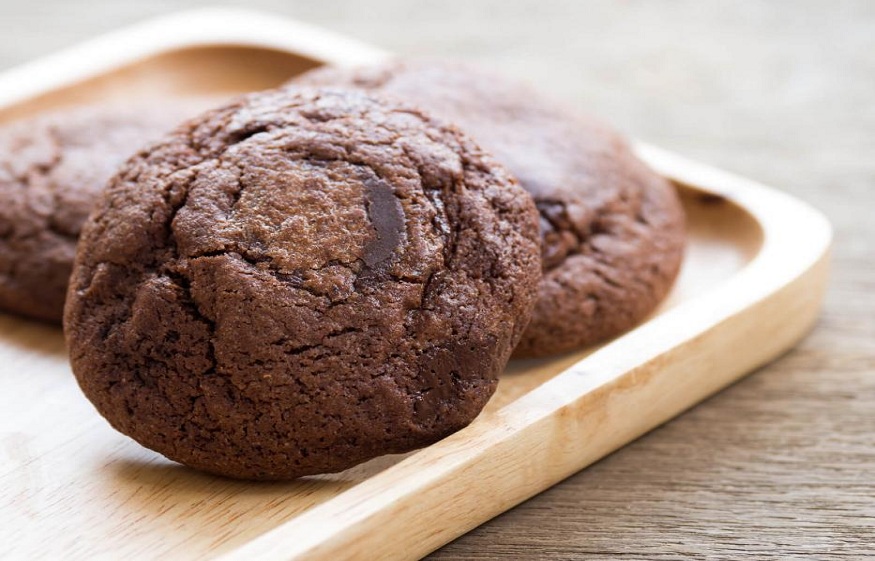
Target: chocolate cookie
[
  {"x": 301, "y": 281},
  {"x": 51, "y": 169},
  {"x": 613, "y": 230}
]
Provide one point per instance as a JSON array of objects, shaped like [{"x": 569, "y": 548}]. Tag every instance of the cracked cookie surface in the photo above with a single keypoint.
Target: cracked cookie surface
[
  {"x": 300, "y": 281},
  {"x": 613, "y": 230},
  {"x": 52, "y": 168}
]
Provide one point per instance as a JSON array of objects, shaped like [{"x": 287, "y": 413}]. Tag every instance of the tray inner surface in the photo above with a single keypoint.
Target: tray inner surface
[{"x": 65, "y": 472}]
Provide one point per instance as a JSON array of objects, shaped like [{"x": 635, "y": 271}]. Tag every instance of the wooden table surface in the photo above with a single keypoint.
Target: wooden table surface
[{"x": 781, "y": 464}]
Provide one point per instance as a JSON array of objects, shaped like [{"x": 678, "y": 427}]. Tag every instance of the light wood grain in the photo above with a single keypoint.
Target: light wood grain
[{"x": 581, "y": 527}]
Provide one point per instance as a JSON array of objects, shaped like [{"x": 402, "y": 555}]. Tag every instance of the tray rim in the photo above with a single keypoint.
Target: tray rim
[
  {"x": 216, "y": 26},
  {"x": 791, "y": 262}
]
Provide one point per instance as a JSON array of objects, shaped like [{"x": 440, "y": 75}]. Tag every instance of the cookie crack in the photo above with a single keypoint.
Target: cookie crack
[
  {"x": 244, "y": 134},
  {"x": 301, "y": 349},
  {"x": 561, "y": 223}
]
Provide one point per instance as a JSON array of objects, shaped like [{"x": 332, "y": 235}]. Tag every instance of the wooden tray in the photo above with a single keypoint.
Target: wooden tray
[{"x": 71, "y": 487}]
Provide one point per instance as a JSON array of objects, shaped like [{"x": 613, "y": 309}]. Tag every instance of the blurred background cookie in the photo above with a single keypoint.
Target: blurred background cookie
[{"x": 52, "y": 168}]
